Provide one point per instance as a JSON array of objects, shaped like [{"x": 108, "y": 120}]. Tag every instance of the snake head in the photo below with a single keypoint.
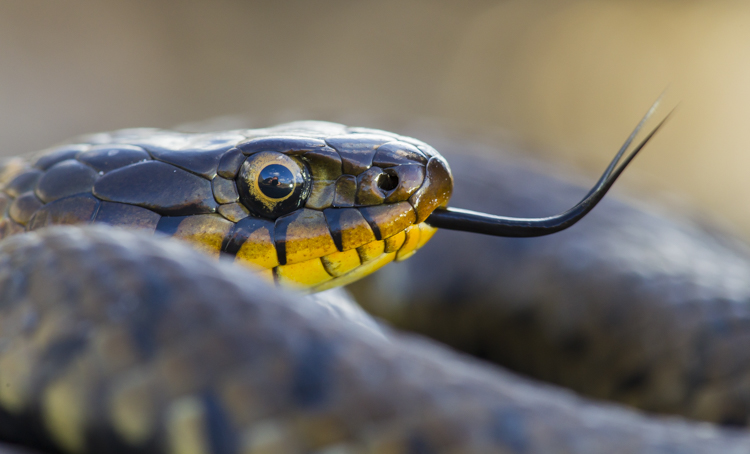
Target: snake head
[
  {"x": 336, "y": 206},
  {"x": 308, "y": 204}
]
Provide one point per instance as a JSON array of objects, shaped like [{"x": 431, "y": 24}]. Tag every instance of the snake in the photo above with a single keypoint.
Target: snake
[{"x": 153, "y": 300}]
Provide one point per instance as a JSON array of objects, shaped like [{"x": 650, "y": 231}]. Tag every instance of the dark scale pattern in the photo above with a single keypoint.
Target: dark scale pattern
[
  {"x": 346, "y": 190},
  {"x": 356, "y": 150},
  {"x": 234, "y": 211},
  {"x": 283, "y": 144},
  {"x": 51, "y": 158},
  {"x": 77, "y": 209},
  {"x": 120, "y": 214},
  {"x": 322, "y": 195},
  {"x": 152, "y": 185},
  {"x": 327, "y": 161},
  {"x": 396, "y": 153},
  {"x": 203, "y": 163},
  {"x": 387, "y": 220},
  {"x": 24, "y": 182},
  {"x": 225, "y": 191},
  {"x": 197, "y": 153},
  {"x": 348, "y": 227},
  {"x": 24, "y": 207},
  {"x": 105, "y": 158},
  {"x": 304, "y": 224},
  {"x": 242, "y": 231},
  {"x": 64, "y": 179},
  {"x": 230, "y": 163}
]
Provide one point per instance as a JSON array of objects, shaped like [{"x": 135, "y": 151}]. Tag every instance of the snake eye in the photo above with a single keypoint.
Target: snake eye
[{"x": 273, "y": 184}]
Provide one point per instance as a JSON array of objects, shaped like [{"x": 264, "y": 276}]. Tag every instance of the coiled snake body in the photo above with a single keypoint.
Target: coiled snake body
[{"x": 115, "y": 341}]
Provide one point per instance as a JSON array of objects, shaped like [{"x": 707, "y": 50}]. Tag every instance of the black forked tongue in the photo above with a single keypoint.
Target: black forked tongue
[{"x": 472, "y": 221}]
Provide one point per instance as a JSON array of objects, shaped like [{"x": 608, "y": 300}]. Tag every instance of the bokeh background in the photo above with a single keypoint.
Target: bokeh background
[{"x": 563, "y": 79}]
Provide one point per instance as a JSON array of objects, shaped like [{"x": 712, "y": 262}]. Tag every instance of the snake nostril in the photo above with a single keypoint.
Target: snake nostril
[{"x": 388, "y": 180}]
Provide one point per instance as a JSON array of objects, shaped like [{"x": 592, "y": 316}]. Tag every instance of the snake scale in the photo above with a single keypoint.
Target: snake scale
[{"x": 120, "y": 341}]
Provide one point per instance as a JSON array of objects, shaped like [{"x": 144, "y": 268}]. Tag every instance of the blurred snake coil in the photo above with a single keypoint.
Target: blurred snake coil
[{"x": 116, "y": 340}]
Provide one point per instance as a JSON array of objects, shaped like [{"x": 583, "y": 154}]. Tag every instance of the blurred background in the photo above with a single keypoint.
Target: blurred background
[{"x": 564, "y": 79}]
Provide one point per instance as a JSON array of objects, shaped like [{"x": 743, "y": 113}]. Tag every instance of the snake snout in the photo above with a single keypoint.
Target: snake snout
[
  {"x": 405, "y": 172},
  {"x": 436, "y": 189}
]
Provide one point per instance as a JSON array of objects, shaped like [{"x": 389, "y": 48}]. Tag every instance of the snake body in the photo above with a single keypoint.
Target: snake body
[
  {"x": 117, "y": 341},
  {"x": 153, "y": 361}
]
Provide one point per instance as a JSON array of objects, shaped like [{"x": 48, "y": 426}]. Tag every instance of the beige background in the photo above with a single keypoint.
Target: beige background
[{"x": 569, "y": 78}]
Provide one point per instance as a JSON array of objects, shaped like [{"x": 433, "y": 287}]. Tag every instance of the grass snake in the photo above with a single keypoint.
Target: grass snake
[{"x": 118, "y": 341}]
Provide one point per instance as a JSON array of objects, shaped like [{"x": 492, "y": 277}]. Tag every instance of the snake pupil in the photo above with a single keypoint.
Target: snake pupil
[{"x": 276, "y": 181}]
